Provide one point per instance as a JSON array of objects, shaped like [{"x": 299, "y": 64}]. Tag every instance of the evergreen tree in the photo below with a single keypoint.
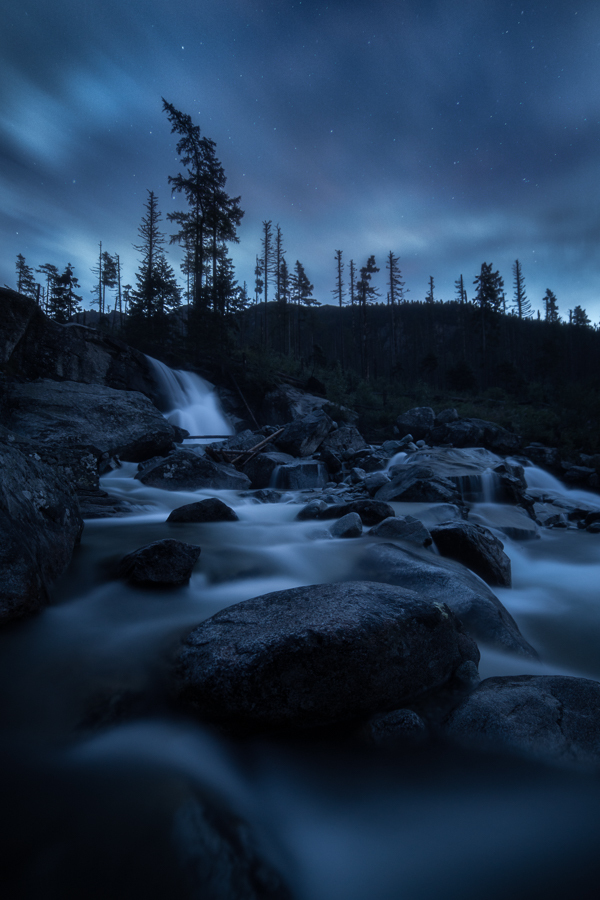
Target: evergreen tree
[
  {"x": 580, "y": 318},
  {"x": 268, "y": 270},
  {"x": 25, "y": 280},
  {"x": 279, "y": 254},
  {"x": 367, "y": 293},
  {"x": 352, "y": 273},
  {"x": 109, "y": 275},
  {"x": 550, "y": 306},
  {"x": 51, "y": 273},
  {"x": 521, "y": 304},
  {"x": 429, "y": 298},
  {"x": 488, "y": 298},
  {"x": 301, "y": 287},
  {"x": 338, "y": 290},
  {"x": 395, "y": 297},
  {"x": 64, "y": 302},
  {"x": 461, "y": 291}
]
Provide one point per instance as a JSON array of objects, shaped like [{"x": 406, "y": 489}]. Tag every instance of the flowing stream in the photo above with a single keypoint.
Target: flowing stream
[{"x": 347, "y": 823}]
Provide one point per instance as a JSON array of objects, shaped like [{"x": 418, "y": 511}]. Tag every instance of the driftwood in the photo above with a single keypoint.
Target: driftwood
[{"x": 239, "y": 458}]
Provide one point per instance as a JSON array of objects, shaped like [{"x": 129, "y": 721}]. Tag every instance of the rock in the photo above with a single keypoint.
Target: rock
[
  {"x": 318, "y": 655},
  {"x": 303, "y": 436},
  {"x": 374, "y": 480},
  {"x": 343, "y": 439},
  {"x": 312, "y": 510},
  {"x": 370, "y": 511},
  {"x": 511, "y": 521},
  {"x": 357, "y": 475},
  {"x": 287, "y": 403},
  {"x": 301, "y": 475},
  {"x": 349, "y": 526},
  {"x": 34, "y": 346},
  {"x": 372, "y": 462},
  {"x": 400, "y": 727},
  {"x": 262, "y": 467},
  {"x": 414, "y": 483},
  {"x": 418, "y": 421},
  {"x": 70, "y": 415},
  {"x": 552, "y": 717},
  {"x": 166, "y": 562},
  {"x": 475, "y": 547},
  {"x": 40, "y": 524},
  {"x": 443, "y": 580},
  {"x": 210, "y": 510},
  {"x": 540, "y": 455},
  {"x": 476, "y": 433},
  {"x": 578, "y": 474},
  {"x": 446, "y": 416},
  {"x": 184, "y": 470},
  {"x": 403, "y": 528}
]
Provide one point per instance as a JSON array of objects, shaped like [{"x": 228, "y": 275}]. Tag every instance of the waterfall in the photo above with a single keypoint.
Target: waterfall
[{"x": 189, "y": 401}]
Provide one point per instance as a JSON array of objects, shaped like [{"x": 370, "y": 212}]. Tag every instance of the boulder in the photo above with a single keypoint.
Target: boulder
[
  {"x": 476, "y": 433},
  {"x": 475, "y": 547},
  {"x": 420, "y": 484},
  {"x": 540, "y": 455},
  {"x": 418, "y": 422},
  {"x": 370, "y": 511},
  {"x": 443, "y": 580},
  {"x": 303, "y": 436},
  {"x": 551, "y": 717},
  {"x": 71, "y": 415},
  {"x": 40, "y": 524},
  {"x": 400, "y": 727},
  {"x": 185, "y": 470},
  {"x": 262, "y": 467},
  {"x": 346, "y": 438},
  {"x": 210, "y": 510},
  {"x": 374, "y": 480},
  {"x": 301, "y": 475},
  {"x": 33, "y": 346},
  {"x": 446, "y": 416},
  {"x": 166, "y": 562},
  {"x": 403, "y": 528},
  {"x": 349, "y": 526},
  {"x": 318, "y": 655}
]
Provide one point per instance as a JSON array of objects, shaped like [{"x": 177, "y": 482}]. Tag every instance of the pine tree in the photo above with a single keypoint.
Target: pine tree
[
  {"x": 25, "y": 280},
  {"x": 429, "y": 298},
  {"x": 64, "y": 302},
  {"x": 367, "y": 293},
  {"x": 461, "y": 291},
  {"x": 580, "y": 318},
  {"x": 51, "y": 273},
  {"x": 395, "y": 297},
  {"x": 550, "y": 307},
  {"x": 301, "y": 287},
  {"x": 521, "y": 304}
]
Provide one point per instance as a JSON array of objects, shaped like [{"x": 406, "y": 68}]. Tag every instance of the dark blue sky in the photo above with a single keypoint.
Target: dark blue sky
[{"x": 450, "y": 133}]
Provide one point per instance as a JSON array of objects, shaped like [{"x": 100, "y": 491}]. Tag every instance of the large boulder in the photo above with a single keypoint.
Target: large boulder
[
  {"x": 476, "y": 433},
  {"x": 166, "y": 562},
  {"x": 33, "y": 346},
  {"x": 261, "y": 468},
  {"x": 40, "y": 524},
  {"x": 345, "y": 439},
  {"x": 475, "y": 547},
  {"x": 301, "y": 475},
  {"x": 403, "y": 528},
  {"x": 185, "y": 470},
  {"x": 319, "y": 655},
  {"x": 443, "y": 580},
  {"x": 370, "y": 511},
  {"x": 210, "y": 510},
  {"x": 552, "y": 717},
  {"x": 69, "y": 414},
  {"x": 303, "y": 436},
  {"x": 418, "y": 422},
  {"x": 417, "y": 484}
]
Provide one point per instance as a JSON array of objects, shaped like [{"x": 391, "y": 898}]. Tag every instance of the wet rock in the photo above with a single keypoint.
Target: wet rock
[
  {"x": 578, "y": 474},
  {"x": 370, "y": 511},
  {"x": 343, "y": 439},
  {"x": 446, "y": 416},
  {"x": 444, "y": 580},
  {"x": 374, "y": 480},
  {"x": 166, "y": 562},
  {"x": 403, "y": 528},
  {"x": 266, "y": 495},
  {"x": 312, "y": 510},
  {"x": 302, "y": 437},
  {"x": 349, "y": 526},
  {"x": 301, "y": 475},
  {"x": 475, "y": 547},
  {"x": 262, "y": 467},
  {"x": 401, "y": 727},
  {"x": 515, "y": 523},
  {"x": 319, "y": 655},
  {"x": 40, "y": 524},
  {"x": 415, "y": 483},
  {"x": 184, "y": 470},
  {"x": 551, "y": 717},
  {"x": 210, "y": 510},
  {"x": 540, "y": 455},
  {"x": 90, "y": 416},
  {"x": 418, "y": 422},
  {"x": 477, "y": 433}
]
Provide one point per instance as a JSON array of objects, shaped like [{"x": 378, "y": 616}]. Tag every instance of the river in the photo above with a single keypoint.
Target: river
[{"x": 338, "y": 822}]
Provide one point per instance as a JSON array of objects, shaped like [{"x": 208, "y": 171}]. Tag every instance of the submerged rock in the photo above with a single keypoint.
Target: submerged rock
[
  {"x": 444, "y": 580},
  {"x": 160, "y": 563},
  {"x": 319, "y": 655},
  {"x": 403, "y": 528},
  {"x": 349, "y": 526},
  {"x": 210, "y": 510},
  {"x": 552, "y": 717}
]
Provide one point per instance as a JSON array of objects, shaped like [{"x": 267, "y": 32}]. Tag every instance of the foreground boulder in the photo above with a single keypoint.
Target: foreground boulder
[
  {"x": 184, "y": 470},
  {"x": 443, "y": 580},
  {"x": 210, "y": 510},
  {"x": 303, "y": 436},
  {"x": 475, "y": 547},
  {"x": 319, "y": 655},
  {"x": 68, "y": 414},
  {"x": 166, "y": 562},
  {"x": 552, "y": 717},
  {"x": 40, "y": 524}
]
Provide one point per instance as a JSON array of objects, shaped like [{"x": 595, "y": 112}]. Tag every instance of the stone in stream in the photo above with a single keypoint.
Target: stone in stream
[
  {"x": 210, "y": 510},
  {"x": 552, "y": 717},
  {"x": 438, "y": 579},
  {"x": 166, "y": 562},
  {"x": 303, "y": 436},
  {"x": 185, "y": 470},
  {"x": 349, "y": 526},
  {"x": 403, "y": 528},
  {"x": 417, "y": 483},
  {"x": 319, "y": 655},
  {"x": 370, "y": 511},
  {"x": 475, "y": 547}
]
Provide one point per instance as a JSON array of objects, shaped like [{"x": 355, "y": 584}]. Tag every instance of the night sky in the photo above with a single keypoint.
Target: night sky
[{"x": 449, "y": 132}]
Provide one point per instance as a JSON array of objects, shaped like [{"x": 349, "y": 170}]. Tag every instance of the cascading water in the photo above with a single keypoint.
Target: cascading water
[
  {"x": 337, "y": 822},
  {"x": 189, "y": 401}
]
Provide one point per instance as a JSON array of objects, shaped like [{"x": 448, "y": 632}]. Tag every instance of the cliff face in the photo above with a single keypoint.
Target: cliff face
[{"x": 33, "y": 346}]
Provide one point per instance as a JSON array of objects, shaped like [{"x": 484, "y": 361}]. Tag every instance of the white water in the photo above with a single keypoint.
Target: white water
[
  {"x": 338, "y": 823},
  {"x": 191, "y": 403}
]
